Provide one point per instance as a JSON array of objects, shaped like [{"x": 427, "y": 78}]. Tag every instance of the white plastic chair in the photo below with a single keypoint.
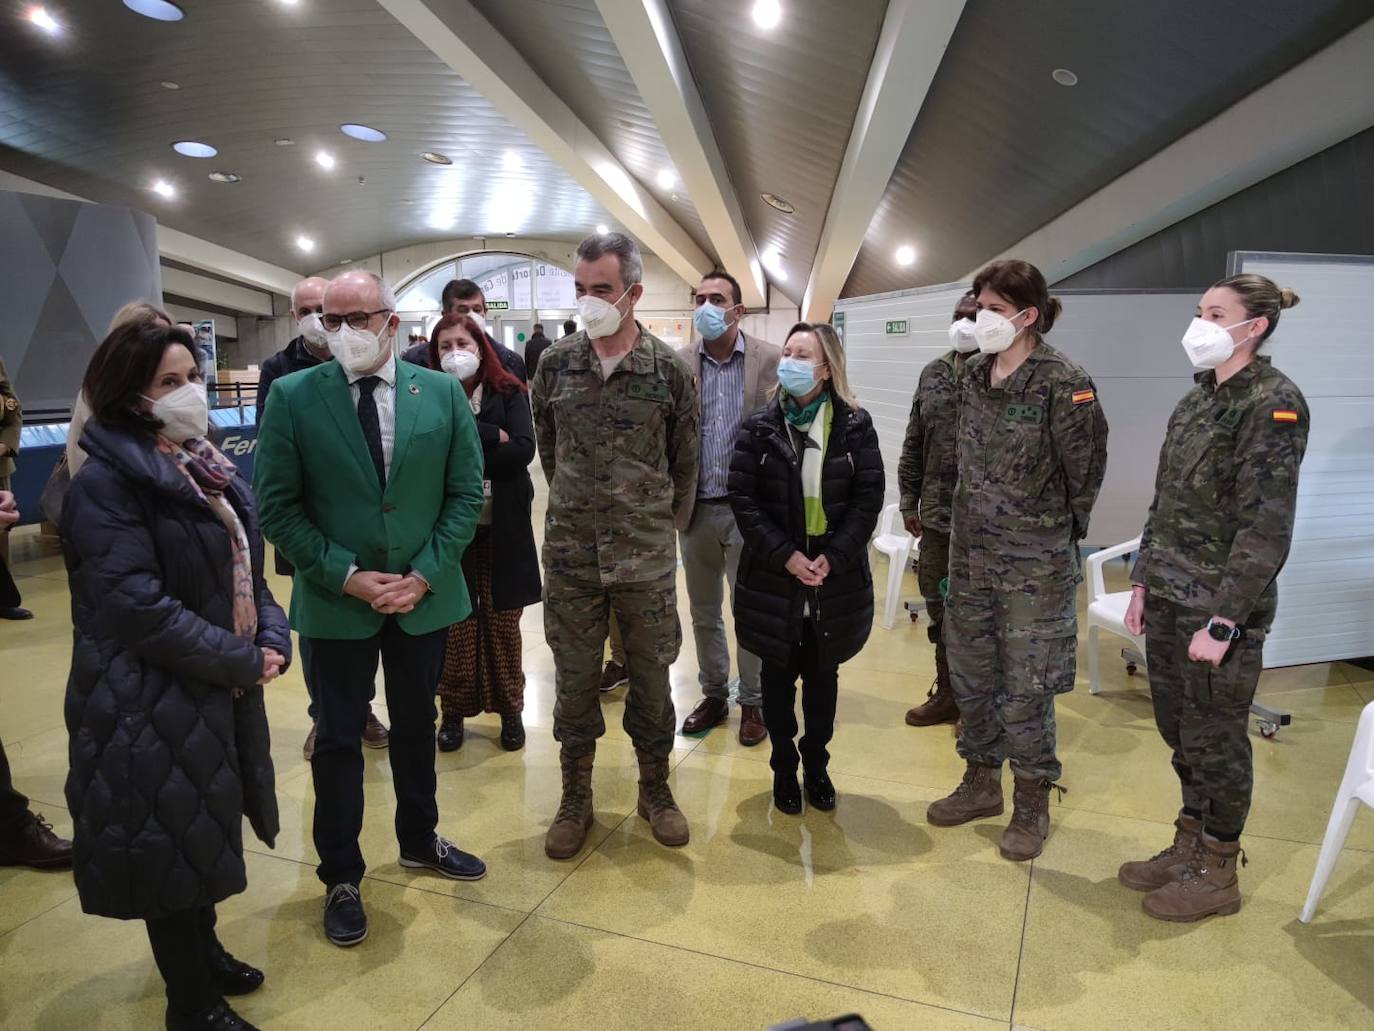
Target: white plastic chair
[
  {"x": 1356, "y": 786},
  {"x": 894, "y": 542},
  {"x": 1108, "y": 611}
]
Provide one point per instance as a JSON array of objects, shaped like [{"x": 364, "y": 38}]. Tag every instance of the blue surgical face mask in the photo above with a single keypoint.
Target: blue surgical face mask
[
  {"x": 796, "y": 376},
  {"x": 710, "y": 321}
]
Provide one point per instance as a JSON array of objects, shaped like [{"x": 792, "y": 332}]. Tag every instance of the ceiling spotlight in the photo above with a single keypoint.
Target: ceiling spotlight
[
  {"x": 158, "y": 10},
  {"x": 284, "y": 141},
  {"x": 169, "y": 84},
  {"x": 345, "y": 261},
  {"x": 40, "y": 17},
  {"x": 435, "y": 158},
  {"x": 906, "y": 254},
  {"x": 324, "y": 159},
  {"x": 774, "y": 201},
  {"x": 164, "y": 189},
  {"x": 767, "y": 13},
  {"x": 666, "y": 179},
  {"x": 362, "y": 132},
  {"x": 1064, "y": 77},
  {"x": 602, "y": 229},
  {"x": 225, "y": 177},
  {"x": 511, "y": 160},
  {"x": 193, "y": 149},
  {"x": 305, "y": 243}
]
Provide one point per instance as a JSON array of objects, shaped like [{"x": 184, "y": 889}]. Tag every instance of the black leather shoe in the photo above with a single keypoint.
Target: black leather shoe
[
  {"x": 233, "y": 976},
  {"x": 15, "y": 613},
  {"x": 345, "y": 921},
  {"x": 218, "y": 1018},
  {"x": 444, "y": 857},
  {"x": 819, "y": 791},
  {"x": 512, "y": 732},
  {"x": 787, "y": 793},
  {"x": 450, "y": 737}
]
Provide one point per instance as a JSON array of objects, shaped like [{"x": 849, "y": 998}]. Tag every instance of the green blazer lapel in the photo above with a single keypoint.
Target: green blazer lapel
[
  {"x": 410, "y": 395},
  {"x": 338, "y": 398}
]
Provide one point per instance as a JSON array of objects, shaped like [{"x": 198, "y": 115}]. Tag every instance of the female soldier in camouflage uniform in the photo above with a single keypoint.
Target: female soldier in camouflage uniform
[
  {"x": 1032, "y": 453},
  {"x": 1204, "y": 584}
]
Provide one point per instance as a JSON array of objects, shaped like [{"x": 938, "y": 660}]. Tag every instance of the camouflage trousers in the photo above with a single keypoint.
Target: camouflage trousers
[
  {"x": 1203, "y": 713},
  {"x": 931, "y": 568},
  {"x": 576, "y": 613},
  {"x": 1010, "y": 653}
]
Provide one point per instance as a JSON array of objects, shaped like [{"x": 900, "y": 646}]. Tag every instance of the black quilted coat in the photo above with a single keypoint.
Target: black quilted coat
[
  {"x": 165, "y": 762},
  {"x": 766, "y": 496}
]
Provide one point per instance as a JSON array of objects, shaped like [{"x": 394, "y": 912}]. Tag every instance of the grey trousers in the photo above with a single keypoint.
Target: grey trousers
[{"x": 711, "y": 547}]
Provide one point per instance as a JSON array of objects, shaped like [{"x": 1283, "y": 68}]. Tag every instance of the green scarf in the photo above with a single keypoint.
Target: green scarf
[{"x": 814, "y": 420}]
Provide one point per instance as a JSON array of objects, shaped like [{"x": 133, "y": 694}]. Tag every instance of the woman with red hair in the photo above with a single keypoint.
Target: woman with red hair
[{"x": 482, "y": 665}]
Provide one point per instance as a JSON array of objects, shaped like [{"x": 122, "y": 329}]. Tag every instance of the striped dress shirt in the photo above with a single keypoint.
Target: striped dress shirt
[{"x": 722, "y": 412}]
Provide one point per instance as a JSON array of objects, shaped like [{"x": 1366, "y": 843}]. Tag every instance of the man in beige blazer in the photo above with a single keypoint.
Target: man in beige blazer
[{"x": 735, "y": 375}]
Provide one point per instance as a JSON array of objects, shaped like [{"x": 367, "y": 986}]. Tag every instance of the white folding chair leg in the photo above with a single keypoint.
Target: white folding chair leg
[
  {"x": 1094, "y": 663},
  {"x": 896, "y": 568},
  {"x": 1337, "y": 830}
]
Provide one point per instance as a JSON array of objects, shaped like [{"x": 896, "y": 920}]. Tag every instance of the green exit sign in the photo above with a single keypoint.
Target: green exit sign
[
  {"x": 498, "y": 306},
  {"x": 897, "y": 328}
]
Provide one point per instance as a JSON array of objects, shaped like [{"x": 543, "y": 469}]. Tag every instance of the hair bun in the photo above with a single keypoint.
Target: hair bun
[{"x": 1288, "y": 298}]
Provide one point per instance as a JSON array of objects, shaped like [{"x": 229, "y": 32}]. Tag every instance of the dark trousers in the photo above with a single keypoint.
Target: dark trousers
[
  {"x": 182, "y": 945},
  {"x": 14, "y": 807},
  {"x": 820, "y": 690},
  {"x": 303, "y": 654},
  {"x": 1203, "y": 713},
  {"x": 343, "y": 673}
]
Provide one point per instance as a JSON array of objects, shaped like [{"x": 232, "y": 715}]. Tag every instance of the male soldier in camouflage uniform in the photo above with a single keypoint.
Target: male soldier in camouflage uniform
[
  {"x": 1032, "y": 455},
  {"x": 1205, "y": 590},
  {"x": 926, "y": 473},
  {"x": 615, "y": 413}
]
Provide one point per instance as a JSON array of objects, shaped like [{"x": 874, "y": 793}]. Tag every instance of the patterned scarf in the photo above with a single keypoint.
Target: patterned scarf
[
  {"x": 209, "y": 473},
  {"x": 814, "y": 420}
]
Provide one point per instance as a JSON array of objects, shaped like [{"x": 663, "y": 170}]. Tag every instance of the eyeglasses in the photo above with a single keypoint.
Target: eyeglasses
[{"x": 355, "y": 319}]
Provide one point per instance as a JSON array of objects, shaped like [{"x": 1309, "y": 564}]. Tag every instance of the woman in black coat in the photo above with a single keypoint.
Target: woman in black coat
[
  {"x": 806, "y": 487},
  {"x": 483, "y": 671},
  {"x": 174, "y": 631}
]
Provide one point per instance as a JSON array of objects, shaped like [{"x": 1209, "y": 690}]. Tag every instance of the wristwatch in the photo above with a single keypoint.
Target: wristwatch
[{"x": 1219, "y": 631}]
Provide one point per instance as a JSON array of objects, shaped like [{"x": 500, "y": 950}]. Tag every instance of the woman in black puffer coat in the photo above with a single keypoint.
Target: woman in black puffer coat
[
  {"x": 174, "y": 631},
  {"x": 806, "y": 487}
]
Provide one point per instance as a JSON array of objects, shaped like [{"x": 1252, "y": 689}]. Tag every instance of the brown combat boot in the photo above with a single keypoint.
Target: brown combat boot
[
  {"x": 1166, "y": 866},
  {"x": 568, "y": 832},
  {"x": 1208, "y": 885},
  {"x": 656, "y": 801},
  {"x": 1025, "y": 836},
  {"x": 940, "y": 706},
  {"x": 979, "y": 794}
]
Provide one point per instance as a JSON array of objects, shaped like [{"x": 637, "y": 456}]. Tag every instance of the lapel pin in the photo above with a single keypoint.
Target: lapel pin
[{"x": 414, "y": 389}]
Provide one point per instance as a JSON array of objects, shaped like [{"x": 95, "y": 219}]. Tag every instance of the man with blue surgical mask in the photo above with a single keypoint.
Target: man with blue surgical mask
[{"x": 735, "y": 374}]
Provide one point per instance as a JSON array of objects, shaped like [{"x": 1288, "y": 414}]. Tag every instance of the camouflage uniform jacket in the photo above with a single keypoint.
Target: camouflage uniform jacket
[
  {"x": 930, "y": 461},
  {"x": 1221, "y": 522},
  {"x": 1032, "y": 455},
  {"x": 620, "y": 457}
]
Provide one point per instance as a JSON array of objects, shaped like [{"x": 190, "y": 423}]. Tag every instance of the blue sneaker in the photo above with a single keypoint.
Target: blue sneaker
[
  {"x": 345, "y": 922},
  {"x": 444, "y": 857}
]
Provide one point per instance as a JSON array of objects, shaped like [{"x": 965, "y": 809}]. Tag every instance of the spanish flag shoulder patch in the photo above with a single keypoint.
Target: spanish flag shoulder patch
[
  {"x": 1082, "y": 397},
  {"x": 1285, "y": 415}
]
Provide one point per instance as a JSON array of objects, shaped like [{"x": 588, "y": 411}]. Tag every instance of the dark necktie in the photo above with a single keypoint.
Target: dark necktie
[{"x": 372, "y": 425}]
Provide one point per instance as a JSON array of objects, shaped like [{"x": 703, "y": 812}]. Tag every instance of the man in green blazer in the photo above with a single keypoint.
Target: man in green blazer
[{"x": 369, "y": 482}]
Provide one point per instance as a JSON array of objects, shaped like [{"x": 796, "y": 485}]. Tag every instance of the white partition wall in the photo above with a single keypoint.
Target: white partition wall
[{"x": 1326, "y": 345}]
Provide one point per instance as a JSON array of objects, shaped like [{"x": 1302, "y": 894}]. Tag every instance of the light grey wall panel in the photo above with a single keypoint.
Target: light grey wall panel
[{"x": 1326, "y": 591}]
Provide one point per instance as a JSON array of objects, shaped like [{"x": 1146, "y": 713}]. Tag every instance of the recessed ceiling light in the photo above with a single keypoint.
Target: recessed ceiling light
[
  {"x": 435, "y": 158},
  {"x": 771, "y": 259},
  {"x": 305, "y": 243},
  {"x": 345, "y": 261},
  {"x": 666, "y": 179},
  {"x": 767, "y": 13},
  {"x": 906, "y": 254},
  {"x": 158, "y": 10},
  {"x": 164, "y": 189},
  {"x": 511, "y": 160},
  {"x": 194, "y": 149},
  {"x": 324, "y": 159},
  {"x": 1064, "y": 77},
  {"x": 225, "y": 177},
  {"x": 284, "y": 141},
  {"x": 40, "y": 17},
  {"x": 602, "y": 230},
  {"x": 774, "y": 201},
  {"x": 362, "y": 132},
  {"x": 169, "y": 84}
]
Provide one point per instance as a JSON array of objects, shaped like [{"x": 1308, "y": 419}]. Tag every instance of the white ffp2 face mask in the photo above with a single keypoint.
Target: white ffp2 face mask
[
  {"x": 313, "y": 330},
  {"x": 995, "y": 333},
  {"x": 357, "y": 350},
  {"x": 962, "y": 336},
  {"x": 1209, "y": 344},
  {"x": 463, "y": 364},
  {"x": 184, "y": 412},
  {"x": 600, "y": 318}
]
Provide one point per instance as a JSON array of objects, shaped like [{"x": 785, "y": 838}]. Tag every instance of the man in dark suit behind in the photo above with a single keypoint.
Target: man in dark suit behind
[
  {"x": 535, "y": 346},
  {"x": 464, "y": 297}
]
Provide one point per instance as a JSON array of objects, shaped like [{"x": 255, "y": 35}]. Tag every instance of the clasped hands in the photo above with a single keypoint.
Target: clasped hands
[
  {"x": 811, "y": 572},
  {"x": 387, "y": 593}
]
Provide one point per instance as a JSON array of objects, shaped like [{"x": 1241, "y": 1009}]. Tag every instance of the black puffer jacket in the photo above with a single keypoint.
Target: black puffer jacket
[
  {"x": 766, "y": 496},
  {"x": 164, "y": 762}
]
